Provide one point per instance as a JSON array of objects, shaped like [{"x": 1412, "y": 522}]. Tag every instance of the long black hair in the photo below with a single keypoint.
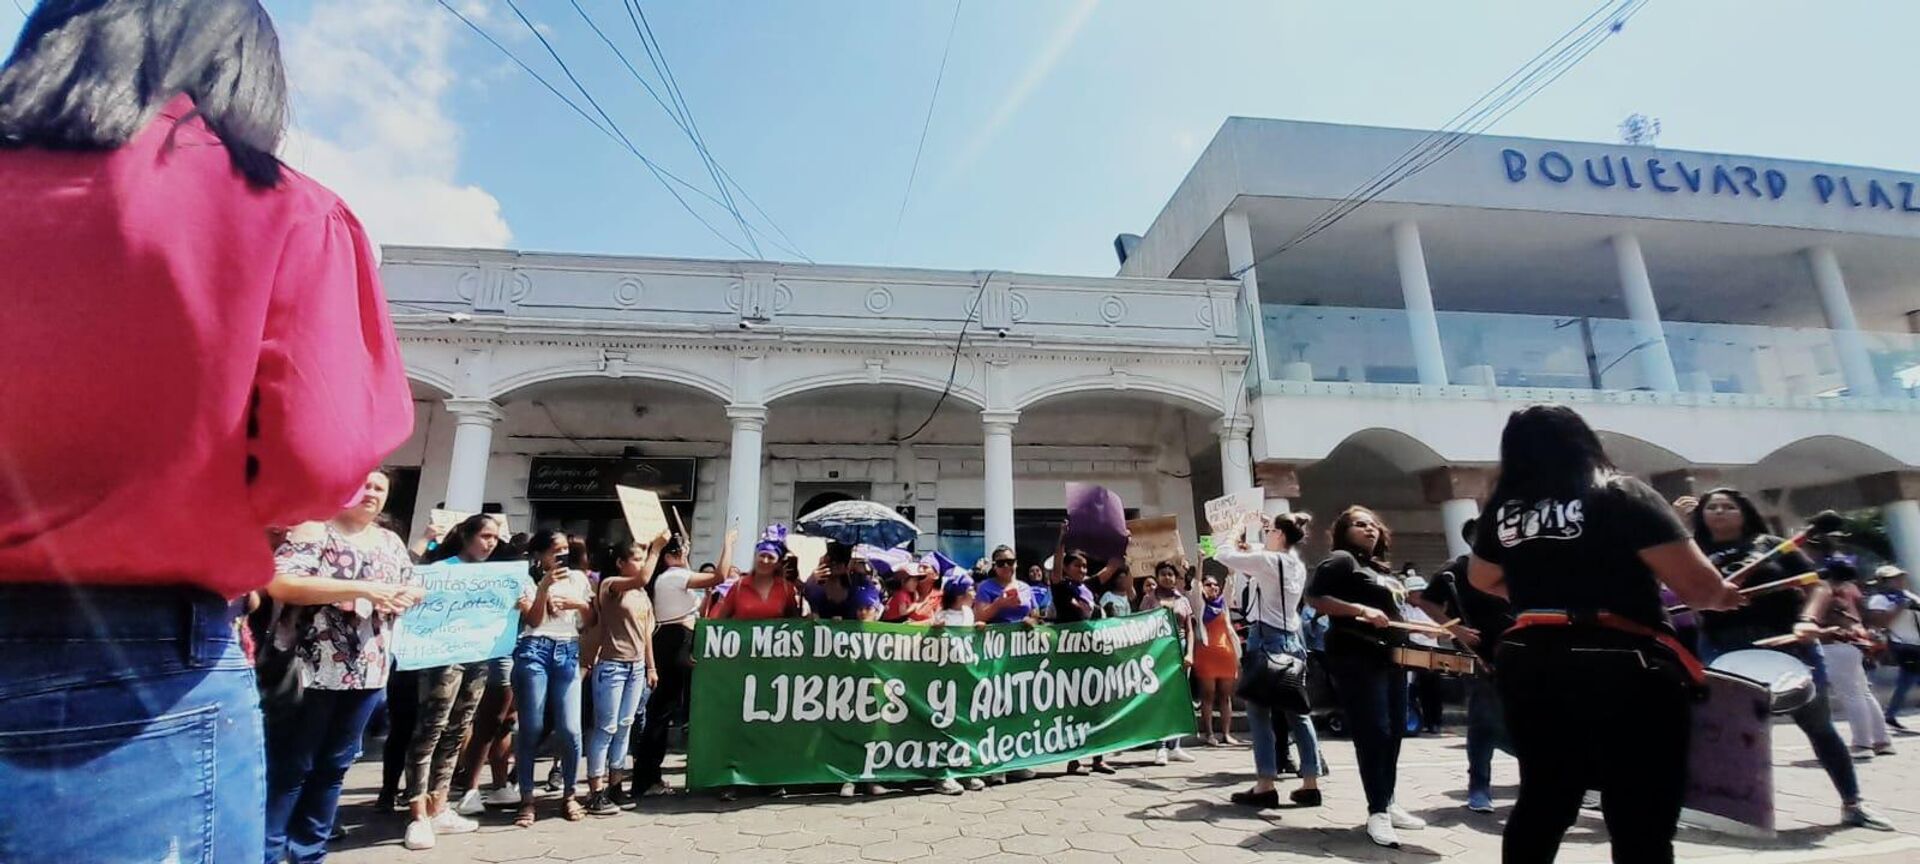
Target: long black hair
[
  {"x": 1548, "y": 451},
  {"x": 456, "y": 540},
  {"x": 1751, "y": 522},
  {"x": 90, "y": 74}
]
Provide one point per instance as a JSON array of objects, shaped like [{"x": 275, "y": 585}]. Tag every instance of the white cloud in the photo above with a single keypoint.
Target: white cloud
[{"x": 369, "y": 81}]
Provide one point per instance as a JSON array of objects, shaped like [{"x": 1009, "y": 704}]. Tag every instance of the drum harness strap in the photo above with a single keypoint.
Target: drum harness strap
[{"x": 1696, "y": 672}]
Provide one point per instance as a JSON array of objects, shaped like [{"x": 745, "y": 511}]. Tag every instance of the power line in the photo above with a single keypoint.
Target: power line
[
  {"x": 564, "y": 69},
  {"x": 1534, "y": 76},
  {"x": 789, "y": 246},
  {"x": 659, "y": 56},
  {"x": 659, "y": 173},
  {"x": 907, "y": 193},
  {"x": 953, "y": 370}
]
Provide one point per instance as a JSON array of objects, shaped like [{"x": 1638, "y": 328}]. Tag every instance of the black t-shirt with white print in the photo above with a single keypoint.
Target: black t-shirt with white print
[
  {"x": 1582, "y": 554},
  {"x": 1343, "y": 577}
]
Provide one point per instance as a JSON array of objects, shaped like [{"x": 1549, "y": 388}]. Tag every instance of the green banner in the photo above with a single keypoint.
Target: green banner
[{"x": 794, "y": 702}]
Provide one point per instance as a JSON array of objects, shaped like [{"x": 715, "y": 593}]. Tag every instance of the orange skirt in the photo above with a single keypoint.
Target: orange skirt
[{"x": 1216, "y": 660}]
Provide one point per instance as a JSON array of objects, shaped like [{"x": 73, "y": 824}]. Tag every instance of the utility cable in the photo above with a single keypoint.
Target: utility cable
[{"x": 926, "y": 123}]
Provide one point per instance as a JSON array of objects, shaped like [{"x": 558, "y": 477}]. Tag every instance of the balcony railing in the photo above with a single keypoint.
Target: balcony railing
[{"x": 1368, "y": 345}]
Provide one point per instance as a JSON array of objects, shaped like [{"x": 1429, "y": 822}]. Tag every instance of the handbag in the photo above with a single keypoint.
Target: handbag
[
  {"x": 278, "y": 672},
  {"x": 1275, "y": 680}
]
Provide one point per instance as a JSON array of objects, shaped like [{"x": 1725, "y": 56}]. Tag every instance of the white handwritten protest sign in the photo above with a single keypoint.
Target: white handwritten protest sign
[
  {"x": 645, "y": 518},
  {"x": 1230, "y": 515},
  {"x": 469, "y": 614}
]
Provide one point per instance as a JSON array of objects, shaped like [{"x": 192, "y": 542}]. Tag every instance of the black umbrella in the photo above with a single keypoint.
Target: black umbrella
[{"x": 855, "y": 522}]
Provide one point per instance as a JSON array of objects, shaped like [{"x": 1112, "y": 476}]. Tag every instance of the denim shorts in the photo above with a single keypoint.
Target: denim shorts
[{"x": 129, "y": 728}]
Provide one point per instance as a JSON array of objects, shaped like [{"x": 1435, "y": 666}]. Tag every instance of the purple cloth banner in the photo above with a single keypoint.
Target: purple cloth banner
[{"x": 1096, "y": 521}]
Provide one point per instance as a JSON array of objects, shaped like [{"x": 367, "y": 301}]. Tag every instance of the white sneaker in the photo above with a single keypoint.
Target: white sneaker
[
  {"x": 419, "y": 835},
  {"x": 1160, "y": 756},
  {"x": 1403, "y": 820},
  {"x": 1180, "y": 754},
  {"x": 1590, "y": 800},
  {"x": 974, "y": 784},
  {"x": 471, "y": 804},
  {"x": 846, "y": 790},
  {"x": 949, "y": 786},
  {"x": 1380, "y": 831},
  {"x": 505, "y": 796},
  {"x": 449, "y": 822}
]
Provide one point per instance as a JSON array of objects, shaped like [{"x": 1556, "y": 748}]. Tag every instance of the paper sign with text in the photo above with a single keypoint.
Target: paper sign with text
[
  {"x": 645, "y": 518},
  {"x": 469, "y": 614}
]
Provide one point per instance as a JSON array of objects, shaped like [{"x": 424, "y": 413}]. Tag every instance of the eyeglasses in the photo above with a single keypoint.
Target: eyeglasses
[{"x": 1003, "y": 562}]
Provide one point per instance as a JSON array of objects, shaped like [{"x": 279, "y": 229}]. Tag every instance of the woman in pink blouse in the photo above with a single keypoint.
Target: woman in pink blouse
[{"x": 195, "y": 347}]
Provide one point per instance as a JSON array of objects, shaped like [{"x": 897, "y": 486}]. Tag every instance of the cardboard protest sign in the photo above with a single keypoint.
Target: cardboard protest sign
[
  {"x": 1151, "y": 541},
  {"x": 1227, "y": 515},
  {"x": 470, "y": 614},
  {"x": 442, "y": 521},
  {"x": 1730, "y": 760},
  {"x": 807, "y": 552},
  {"x": 645, "y": 518},
  {"x": 1096, "y": 521}
]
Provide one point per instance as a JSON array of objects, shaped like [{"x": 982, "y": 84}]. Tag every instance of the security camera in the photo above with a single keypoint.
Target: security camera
[
  {"x": 1000, "y": 332},
  {"x": 745, "y": 324},
  {"x": 458, "y": 318}
]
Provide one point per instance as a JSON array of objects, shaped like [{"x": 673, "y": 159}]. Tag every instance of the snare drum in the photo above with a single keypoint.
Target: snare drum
[
  {"x": 1789, "y": 683},
  {"x": 1441, "y": 660}
]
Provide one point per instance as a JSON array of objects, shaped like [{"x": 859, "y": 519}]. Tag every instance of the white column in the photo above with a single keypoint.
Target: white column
[
  {"x": 1423, "y": 326},
  {"x": 999, "y": 475},
  {"x": 1649, "y": 337},
  {"x": 472, "y": 449},
  {"x": 1454, "y": 513},
  {"x": 1239, "y": 237},
  {"x": 1903, "y": 530},
  {"x": 743, "y": 480},
  {"x": 1236, "y": 457},
  {"x": 1854, "y": 362}
]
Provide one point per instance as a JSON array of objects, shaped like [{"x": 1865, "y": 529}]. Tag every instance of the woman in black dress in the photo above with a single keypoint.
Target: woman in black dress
[{"x": 1598, "y": 693}]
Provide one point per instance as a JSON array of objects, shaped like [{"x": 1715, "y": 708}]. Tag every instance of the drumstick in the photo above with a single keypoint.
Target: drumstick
[
  {"x": 1428, "y": 629},
  {"x": 1799, "y": 581},
  {"x": 1776, "y": 641},
  {"x": 1824, "y": 522}
]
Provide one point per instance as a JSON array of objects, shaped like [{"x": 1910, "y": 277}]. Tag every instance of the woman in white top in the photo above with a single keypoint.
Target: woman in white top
[
  {"x": 1277, "y": 582},
  {"x": 546, "y": 667},
  {"x": 675, "y": 599}
]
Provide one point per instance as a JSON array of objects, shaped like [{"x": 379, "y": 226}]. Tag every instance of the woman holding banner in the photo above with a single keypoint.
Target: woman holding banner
[
  {"x": 339, "y": 586},
  {"x": 675, "y": 591},
  {"x": 546, "y": 669},
  {"x": 768, "y": 592},
  {"x": 448, "y": 697},
  {"x": 1276, "y": 586},
  {"x": 1355, "y": 587}
]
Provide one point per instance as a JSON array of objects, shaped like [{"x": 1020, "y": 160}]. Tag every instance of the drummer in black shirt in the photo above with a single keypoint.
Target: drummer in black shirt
[
  {"x": 1354, "y": 587},
  {"x": 1479, "y": 621},
  {"x": 1597, "y": 692},
  {"x": 1729, "y": 529}
]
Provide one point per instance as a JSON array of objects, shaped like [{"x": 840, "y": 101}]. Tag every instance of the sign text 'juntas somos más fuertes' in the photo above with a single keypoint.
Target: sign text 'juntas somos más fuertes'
[{"x": 1673, "y": 175}]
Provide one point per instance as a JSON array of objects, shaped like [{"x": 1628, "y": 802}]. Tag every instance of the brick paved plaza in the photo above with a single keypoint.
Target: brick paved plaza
[{"x": 1142, "y": 814}]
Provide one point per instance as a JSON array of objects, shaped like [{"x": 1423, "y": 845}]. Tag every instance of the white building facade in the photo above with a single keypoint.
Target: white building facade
[
  {"x": 1722, "y": 320},
  {"x": 749, "y": 392}
]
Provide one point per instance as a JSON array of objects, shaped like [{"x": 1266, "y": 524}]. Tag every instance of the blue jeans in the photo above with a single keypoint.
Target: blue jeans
[
  {"x": 1486, "y": 732},
  {"x": 1908, "y": 677},
  {"x": 308, "y": 754},
  {"x": 1266, "y": 758},
  {"x": 1373, "y": 696},
  {"x": 619, "y": 689},
  {"x": 546, "y": 671},
  {"x": 129, "y": 728}
]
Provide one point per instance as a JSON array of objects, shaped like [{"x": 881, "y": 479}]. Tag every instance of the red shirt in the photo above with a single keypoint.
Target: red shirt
[
  {"x": 151, "y": 297},
  {"x": 744, "y": 603}
]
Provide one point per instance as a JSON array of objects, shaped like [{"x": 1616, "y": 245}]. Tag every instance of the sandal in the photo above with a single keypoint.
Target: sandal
[
  {"x": 573, "y": 811},
  {"x": 525, "y": 818}
]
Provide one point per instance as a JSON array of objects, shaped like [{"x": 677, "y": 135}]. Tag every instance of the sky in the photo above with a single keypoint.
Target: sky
[{"x": 1058, "y": 124}]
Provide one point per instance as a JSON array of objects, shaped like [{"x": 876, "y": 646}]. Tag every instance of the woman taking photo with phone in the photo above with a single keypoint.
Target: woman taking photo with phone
[{"x": 546, "y": 669}]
